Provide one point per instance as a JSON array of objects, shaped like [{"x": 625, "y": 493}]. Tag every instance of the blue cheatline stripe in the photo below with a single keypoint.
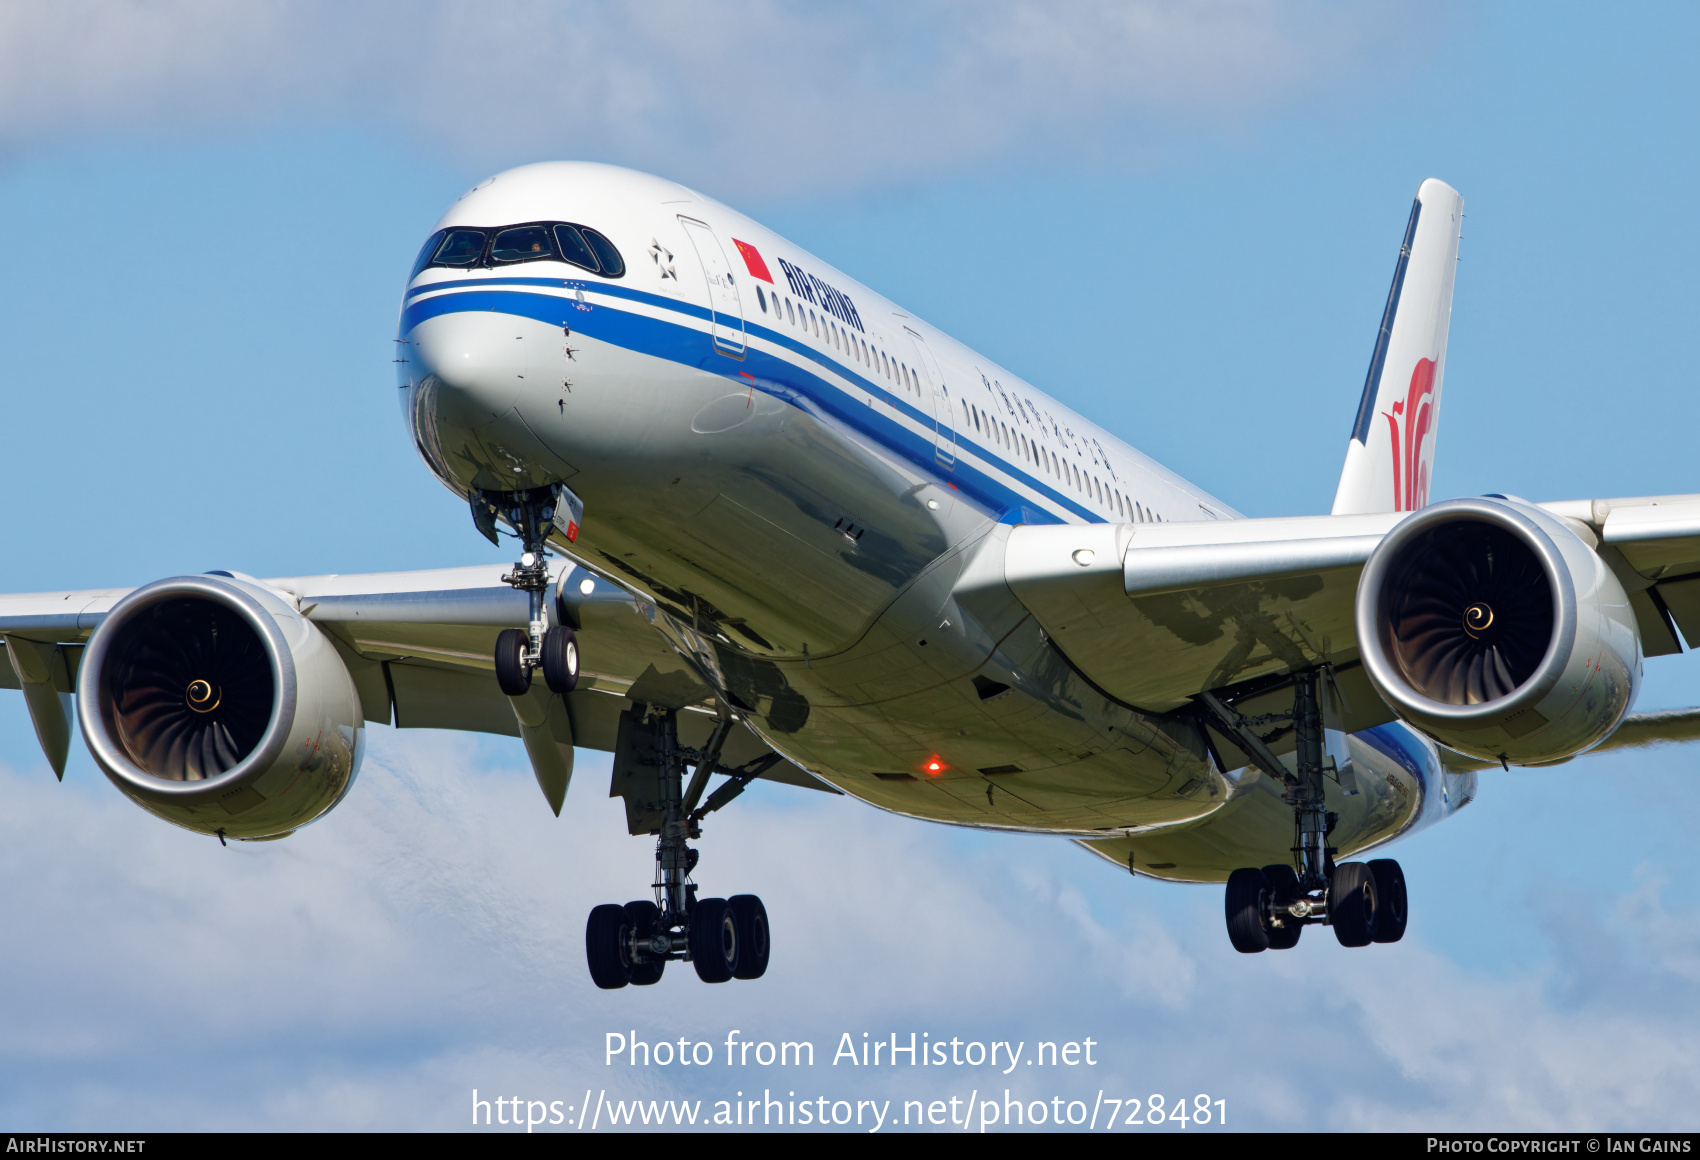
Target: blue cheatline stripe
[{"x": 765, "y": 372}]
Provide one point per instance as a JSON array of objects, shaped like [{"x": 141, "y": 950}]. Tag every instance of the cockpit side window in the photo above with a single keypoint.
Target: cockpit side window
[
  {"x": 426, "y": 253},
  {"x": 612, "y": 264},
  {"x": 574, "y": 249},
  {"x": 522, "y": 244},
  {"x": 459, "y": 248}
]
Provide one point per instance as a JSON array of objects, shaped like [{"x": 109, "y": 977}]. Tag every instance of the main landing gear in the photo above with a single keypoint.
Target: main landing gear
[
  {"x": 1268, "y": 908},
  {"x": 554, "y": 649},
  {"x": 723, "y": 938}
]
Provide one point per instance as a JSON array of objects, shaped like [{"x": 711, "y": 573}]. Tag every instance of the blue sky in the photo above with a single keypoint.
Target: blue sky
[{"x": 1182, "y": 225}]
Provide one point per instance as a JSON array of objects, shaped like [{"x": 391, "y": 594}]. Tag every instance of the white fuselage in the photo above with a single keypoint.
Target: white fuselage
[{"x": 794, "y": 473}]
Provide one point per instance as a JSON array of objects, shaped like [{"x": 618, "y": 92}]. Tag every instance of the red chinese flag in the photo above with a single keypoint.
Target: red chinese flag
[{"x": 752, "y": 259}]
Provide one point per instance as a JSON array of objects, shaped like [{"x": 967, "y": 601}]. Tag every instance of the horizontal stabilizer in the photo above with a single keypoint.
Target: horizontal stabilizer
[{"x": 1670, "y": 727}]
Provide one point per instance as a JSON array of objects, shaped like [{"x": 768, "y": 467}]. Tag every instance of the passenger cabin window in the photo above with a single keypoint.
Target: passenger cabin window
[{"x": 762, "y": 298}]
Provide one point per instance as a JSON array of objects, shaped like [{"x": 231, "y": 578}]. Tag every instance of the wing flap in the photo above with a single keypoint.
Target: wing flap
[{"x": 1682, "y": 599}]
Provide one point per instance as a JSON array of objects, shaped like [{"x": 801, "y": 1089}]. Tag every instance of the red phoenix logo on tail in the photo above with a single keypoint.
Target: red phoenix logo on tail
[{"x": 1409, "y": 427}]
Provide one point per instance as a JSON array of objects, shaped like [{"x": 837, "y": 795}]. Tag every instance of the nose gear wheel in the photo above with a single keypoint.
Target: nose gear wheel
[{"x": 534, "y": 515}]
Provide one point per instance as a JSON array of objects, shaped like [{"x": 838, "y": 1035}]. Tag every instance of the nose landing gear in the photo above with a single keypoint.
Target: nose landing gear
[
  {"x": 723, "y": 938},
  {"x": 554, "y": 649},
  {"x": 1266, "y": 909}
]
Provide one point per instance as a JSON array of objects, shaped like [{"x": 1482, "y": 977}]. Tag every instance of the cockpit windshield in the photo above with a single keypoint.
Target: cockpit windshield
[
  {"x": 460, "y": 248},
  {"x": 533, "y": 242},
  {"x": 522, "y": 244}
]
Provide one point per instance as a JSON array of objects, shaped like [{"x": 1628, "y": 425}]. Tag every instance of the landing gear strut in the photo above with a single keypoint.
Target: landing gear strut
[
  {"x": 1267, "y": 908},
  {"x": 723, "y": 938},
  {"x": 554, "y": 649}
]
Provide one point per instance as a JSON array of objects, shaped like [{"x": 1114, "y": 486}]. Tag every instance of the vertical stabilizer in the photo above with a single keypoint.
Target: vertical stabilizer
[{"x": 1390, "y": 458}]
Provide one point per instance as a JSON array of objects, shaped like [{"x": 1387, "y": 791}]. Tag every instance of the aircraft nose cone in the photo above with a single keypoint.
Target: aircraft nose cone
[{"x": 478, "y": 359}]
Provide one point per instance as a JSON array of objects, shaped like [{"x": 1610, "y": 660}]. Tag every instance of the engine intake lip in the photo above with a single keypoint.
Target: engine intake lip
[
  {"x": 1385, "y": 570},
  {"x": 95, "y": 709}
]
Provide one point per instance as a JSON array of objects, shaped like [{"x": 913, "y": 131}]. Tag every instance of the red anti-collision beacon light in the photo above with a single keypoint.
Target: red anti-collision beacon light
[{"x": 934, "y": 767}]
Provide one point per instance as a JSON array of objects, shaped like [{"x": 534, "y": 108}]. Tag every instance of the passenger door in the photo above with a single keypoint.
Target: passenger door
[
  {"x": 724, "y": 304},
  {"x": 944, "y": 437}
]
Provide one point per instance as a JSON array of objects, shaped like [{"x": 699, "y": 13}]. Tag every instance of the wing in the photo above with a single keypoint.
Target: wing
[
  {"x": 1653, "y": 545},
  {"x": 419, "y": 647},
  {"x": 1155, "y": 614}
]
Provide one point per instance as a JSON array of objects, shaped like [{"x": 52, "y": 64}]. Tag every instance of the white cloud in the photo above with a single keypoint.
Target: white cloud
[
  {"x": 426, "y": 939},
  {"x": 748, "y": 94}
]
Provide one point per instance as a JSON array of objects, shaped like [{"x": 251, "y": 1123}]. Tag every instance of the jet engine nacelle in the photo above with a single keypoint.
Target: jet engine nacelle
[
  {"x": 214, "y": 704},
  {"x": 1495, "y": 629}
]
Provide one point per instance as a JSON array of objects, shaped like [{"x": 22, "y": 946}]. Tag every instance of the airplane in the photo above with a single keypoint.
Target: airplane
[{"x": 770, "y": 524}]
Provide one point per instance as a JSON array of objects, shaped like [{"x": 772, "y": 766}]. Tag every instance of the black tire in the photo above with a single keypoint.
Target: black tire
[
  {"x": 1283, "y": 889},
  {"x": 642, "y": 917},
  {"x": 604, "y": 947},
  {"x": 511, "y": 672},
  {"x": 1247, "y": 892},
  {"x": 753, "y": 941},
  {"x": 1390, "y": 900},
  {"x": 560, "y": 659},
  {"x": 1351, "y": 904},
  {"x": 714, "y": 940}
]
